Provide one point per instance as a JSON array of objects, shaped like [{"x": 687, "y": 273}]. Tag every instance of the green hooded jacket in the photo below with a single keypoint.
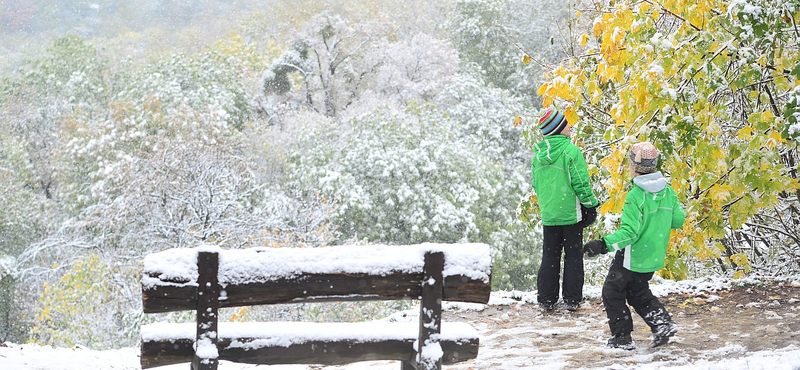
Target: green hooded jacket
[
  {"x": 561, "y": 181},
  {"x": 651, "y": 210}
]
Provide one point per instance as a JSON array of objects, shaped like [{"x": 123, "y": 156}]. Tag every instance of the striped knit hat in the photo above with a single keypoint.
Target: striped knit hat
[
  {"x": 552, "y": 122},
  {"x": 644, "y": 157}
]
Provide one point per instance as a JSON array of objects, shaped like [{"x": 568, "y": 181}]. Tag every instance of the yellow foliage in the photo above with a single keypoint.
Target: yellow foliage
[
  {"x": 675, "y": 87},
  {"x": 745, "y": 133},
  {"x": 239, "y": 315},
  {"x": 740, "y": 259},
  {"x": 571, "y": 114},
  {"x": 774, "y": 139},
  {"x": 526, "y": 59},
  {"x": 67, "y": 308}
]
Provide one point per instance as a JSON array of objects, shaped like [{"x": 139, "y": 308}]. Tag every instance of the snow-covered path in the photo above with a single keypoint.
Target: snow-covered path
[{"x": 721, "y": 328}]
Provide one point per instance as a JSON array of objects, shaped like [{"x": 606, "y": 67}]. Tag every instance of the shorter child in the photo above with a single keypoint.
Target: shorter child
[{"x": 651, "y": 210}]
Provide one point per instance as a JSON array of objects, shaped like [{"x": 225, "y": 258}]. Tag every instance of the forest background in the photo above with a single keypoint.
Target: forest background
[{"x": 128, "y": 127}]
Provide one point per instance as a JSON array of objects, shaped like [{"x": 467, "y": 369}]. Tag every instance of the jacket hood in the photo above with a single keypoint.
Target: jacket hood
[
  {"x": 651, "y": 182},
  {"x": 549, "y": 149}
]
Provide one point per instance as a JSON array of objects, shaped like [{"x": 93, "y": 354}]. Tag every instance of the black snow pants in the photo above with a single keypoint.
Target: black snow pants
[
  {"x": 569, "y": 240},
  {"x": 623, "y": 285}
]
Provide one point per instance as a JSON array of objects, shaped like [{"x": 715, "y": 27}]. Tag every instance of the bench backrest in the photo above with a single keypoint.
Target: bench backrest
[{"x": 344, "y": 273}]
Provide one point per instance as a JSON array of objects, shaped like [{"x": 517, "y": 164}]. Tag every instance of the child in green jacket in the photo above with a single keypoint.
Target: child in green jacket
[
  {"x": 567, "y": 204},
  {"x": 651, "y": 210}
]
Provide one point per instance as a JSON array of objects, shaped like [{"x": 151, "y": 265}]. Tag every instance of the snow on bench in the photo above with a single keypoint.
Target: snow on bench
[{"x": 173, "y": 281}]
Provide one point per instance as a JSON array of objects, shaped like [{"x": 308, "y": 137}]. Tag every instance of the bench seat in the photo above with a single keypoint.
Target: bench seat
[{"x": 273, "y": 343}]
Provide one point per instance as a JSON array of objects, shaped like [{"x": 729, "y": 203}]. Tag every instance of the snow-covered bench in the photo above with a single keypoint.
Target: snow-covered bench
[{"x": 207, "y": 278}]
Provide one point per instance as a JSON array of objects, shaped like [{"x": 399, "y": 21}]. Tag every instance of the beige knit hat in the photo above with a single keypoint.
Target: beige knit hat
[{"x": 644, "y": 157}]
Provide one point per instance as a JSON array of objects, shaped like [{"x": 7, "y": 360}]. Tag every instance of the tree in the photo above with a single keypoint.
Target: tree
[
  {"x": 712, "y": 84},
  {"x": 329, "y": 61},
  {"x": 401, "y": 178},
  {"x": 414, "y": 70},
  {"x": 69, "y": 78},
  {"x": 87, "y": 306},
  {"x": 481, "y": 42},
  {"x": 483, "y": 117},
  {"x": 492, "y": 35}
]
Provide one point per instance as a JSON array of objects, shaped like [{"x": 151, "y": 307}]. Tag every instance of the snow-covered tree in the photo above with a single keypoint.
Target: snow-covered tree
[
  {"x": 484, "y": 117},
  {"x": 327, "y": 60},
  {"x": 400, "y": 177},
  {"x": 415, "y": 70},
  {"x": 476, "y": 31}
]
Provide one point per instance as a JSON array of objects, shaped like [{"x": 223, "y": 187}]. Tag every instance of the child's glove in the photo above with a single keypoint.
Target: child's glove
[
  {"x": 588, "y": 216},
  {"x": 595, "y": 247}
]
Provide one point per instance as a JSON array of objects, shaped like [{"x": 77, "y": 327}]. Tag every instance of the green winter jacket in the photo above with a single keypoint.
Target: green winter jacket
[
  {"x": 561, "y": 181},
  {"x": 651, "y": 210}
]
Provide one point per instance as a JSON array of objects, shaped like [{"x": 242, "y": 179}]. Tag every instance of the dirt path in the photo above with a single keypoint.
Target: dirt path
[{"x": 726, "y": 324}]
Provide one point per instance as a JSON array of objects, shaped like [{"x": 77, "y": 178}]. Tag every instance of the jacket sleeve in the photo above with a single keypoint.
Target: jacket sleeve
[
  {"x": 630, "y": 226},
  {"x": 579, "y": 178},
  {"x": 678, "y": 216}
]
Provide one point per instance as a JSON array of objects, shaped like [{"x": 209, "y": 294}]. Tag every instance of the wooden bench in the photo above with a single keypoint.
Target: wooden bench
[{"x": 207, "y": 278}]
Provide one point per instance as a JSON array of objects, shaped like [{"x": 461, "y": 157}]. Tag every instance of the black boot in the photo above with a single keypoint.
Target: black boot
[
  {"x": 622, "y": 341},
  {"x": 662, "y": 333},
  {"x": 547, "y": 306}
]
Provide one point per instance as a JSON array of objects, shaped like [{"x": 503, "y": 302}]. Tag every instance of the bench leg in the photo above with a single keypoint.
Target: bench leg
[
  {"x": 407, "y": 366},
  {"x": 207, "y": 309}
]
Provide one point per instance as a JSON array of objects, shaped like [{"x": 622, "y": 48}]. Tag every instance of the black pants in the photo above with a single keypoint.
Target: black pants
[
  {"x": 569, "y": 240},
  {"x": 623, "y": 285}
]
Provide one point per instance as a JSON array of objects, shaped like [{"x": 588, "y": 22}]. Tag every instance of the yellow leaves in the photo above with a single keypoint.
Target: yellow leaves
[
  {"x": 612, "y": 28},
  {"x": 719, "y": 193},
  {"x": 616, "y": 183},
  {"x": 712, "y": 251},
  {"x": 571, "y": 114},
  {"x": 565, "y": 84},
  {"x": 657, "y": 83},
  {"x": 655, "y": 15},
  {"x": 643, "y": 7},
  {"x": 239, "y": 315},
  {"x": 517, "y": 121},
  {"x": 526, "y": 59},
  {"x": 745, "y": 133},
  {"x": 593, "y": 91},
  {"x": 718, "y": 160},
  {"x": 66, "y": 309},
  {"x": 697, "y": 14},
  {"x": 713, "y": 129},
  {"x": 608, "y": 73},
  {"x": 612, "y": 44},
  {"x": 601, "y": 25},
  {"x": 740, "y": 259},
  {"x": 774, "y": 139},
  {"x": 584, "y": 39}
]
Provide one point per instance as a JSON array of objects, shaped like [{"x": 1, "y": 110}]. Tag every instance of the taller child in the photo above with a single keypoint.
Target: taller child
[{"x": 567, "y": 204}]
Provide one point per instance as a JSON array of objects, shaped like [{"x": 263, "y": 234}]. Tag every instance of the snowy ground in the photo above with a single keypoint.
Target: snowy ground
[
  {"x": 515, "y": 335},
  {"x": 32, "y": 357}
]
